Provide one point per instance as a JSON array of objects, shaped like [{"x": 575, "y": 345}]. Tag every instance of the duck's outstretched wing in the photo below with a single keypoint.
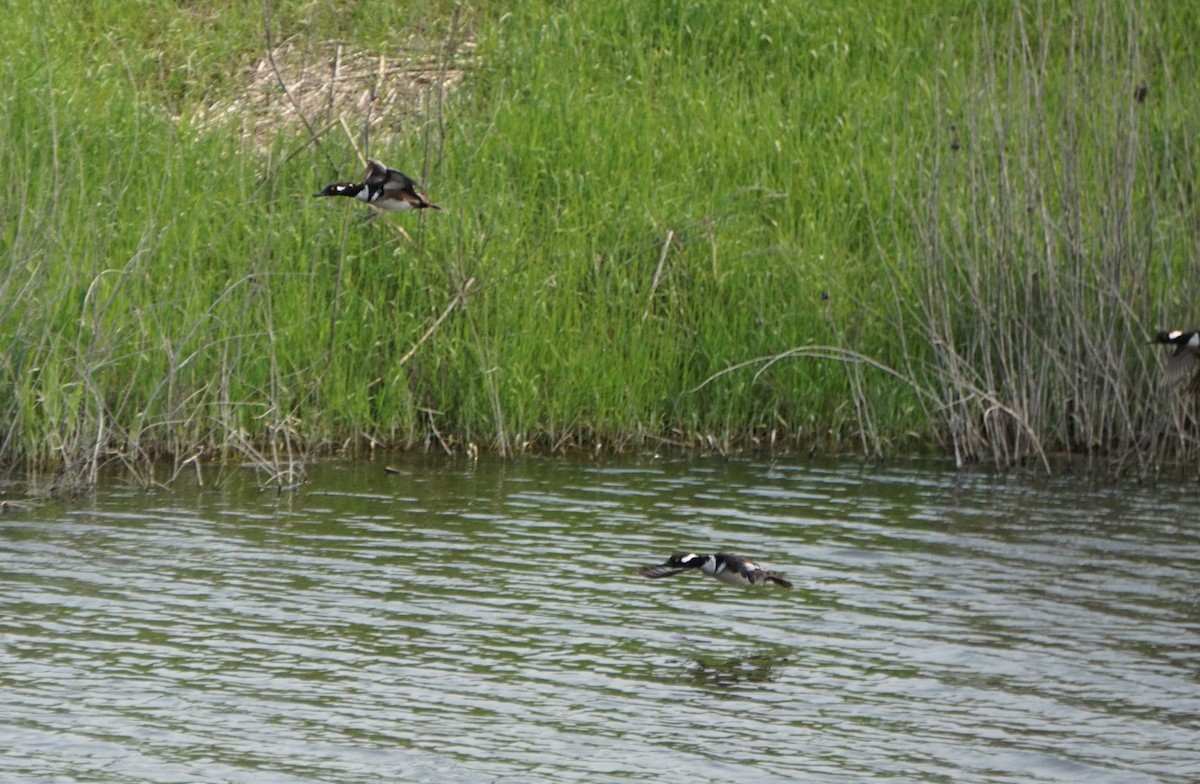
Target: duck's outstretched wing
[
  {"x": 375, "y": 173},
  {"x": 391, "y": 181},
  {"x": 1179, "y": 366},
  {"x": 655, "y": 572}
]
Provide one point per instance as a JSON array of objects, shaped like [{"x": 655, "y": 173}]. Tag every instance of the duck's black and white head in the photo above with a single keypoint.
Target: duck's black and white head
[{"x": 340, "y": 189}]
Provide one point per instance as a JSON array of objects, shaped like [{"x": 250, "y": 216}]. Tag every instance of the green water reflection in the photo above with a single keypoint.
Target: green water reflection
[{"x": 479, "y": 622}]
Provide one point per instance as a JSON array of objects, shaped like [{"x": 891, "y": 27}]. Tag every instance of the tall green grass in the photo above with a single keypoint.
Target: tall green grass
[{"x": 718, "y": 224}]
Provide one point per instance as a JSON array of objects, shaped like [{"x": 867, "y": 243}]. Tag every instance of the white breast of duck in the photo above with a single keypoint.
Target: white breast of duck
[{"x": 734, "y": 570}]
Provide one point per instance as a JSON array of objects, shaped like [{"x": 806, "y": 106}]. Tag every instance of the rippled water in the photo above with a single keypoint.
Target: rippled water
[{"x": 483, "y": 623}]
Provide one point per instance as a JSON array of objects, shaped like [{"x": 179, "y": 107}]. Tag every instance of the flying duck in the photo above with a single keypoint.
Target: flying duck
[
  {"x": 727, "y": 568},
  {"x": 387, "y": 189}
]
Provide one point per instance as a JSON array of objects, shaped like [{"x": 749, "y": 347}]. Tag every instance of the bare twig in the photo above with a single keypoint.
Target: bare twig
[
  {"x": 662, "y": 260},
  {"x": 459, "y": 299}
]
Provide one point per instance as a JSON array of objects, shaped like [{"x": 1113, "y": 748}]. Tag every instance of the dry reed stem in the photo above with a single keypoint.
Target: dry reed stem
[
  {"x": 313, "y": 87},
  {"x": 459, "y": 299}
]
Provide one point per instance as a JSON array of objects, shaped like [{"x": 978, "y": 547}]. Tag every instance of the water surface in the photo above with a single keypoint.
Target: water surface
[{"x": 463, "y": 622}]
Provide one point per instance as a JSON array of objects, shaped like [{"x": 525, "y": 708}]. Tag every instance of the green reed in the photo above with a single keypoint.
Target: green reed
[{"x": 726, "y": 225}]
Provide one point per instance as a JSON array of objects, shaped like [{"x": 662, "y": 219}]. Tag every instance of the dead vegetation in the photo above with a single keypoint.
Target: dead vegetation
[{"x": 315, "y": 87}]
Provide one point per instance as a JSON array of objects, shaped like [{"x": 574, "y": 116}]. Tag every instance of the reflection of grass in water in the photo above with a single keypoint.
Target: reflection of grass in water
[
  {"x": 684, "y": 664},
  {"x": 639, "y": 197},
  {"x": 734, "y": 670}
]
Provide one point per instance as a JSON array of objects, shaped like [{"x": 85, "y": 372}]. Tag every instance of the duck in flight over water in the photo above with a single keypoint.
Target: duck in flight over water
[{"x": 727, "y": 568}]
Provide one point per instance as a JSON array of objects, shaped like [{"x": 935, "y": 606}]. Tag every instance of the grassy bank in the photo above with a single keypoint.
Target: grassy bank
[{"x": 718, "y": 224}]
